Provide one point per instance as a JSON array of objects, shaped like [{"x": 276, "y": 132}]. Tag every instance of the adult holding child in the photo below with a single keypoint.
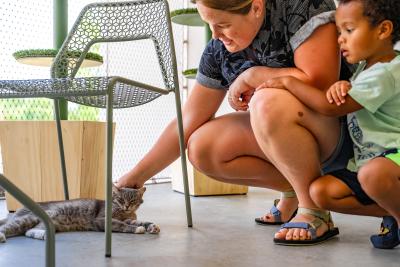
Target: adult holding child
[
  {"x": 370, "y": 183},
  {"x": 254, "y": 40}
]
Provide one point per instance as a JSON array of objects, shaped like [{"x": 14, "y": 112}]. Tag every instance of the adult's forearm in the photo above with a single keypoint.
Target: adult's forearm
[
  {"x": 162, "y": 154},
  {"x": 198, "y": 109},
  {"x": 165, "y": 151},
  {"x": 259, "y": 74}
]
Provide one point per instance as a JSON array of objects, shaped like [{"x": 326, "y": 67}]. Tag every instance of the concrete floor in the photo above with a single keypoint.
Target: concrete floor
[{"x": 224, "y": 234}]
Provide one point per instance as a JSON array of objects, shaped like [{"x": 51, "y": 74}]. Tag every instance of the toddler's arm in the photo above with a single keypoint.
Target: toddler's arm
[
  {"x": 311, "y": 96},
  {"x": 337, "y": 92}
]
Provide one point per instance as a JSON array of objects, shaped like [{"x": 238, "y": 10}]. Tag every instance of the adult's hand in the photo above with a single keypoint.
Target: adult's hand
[
  {"x": 128, "y": 181},
  {"x": 240, "y": 92}
]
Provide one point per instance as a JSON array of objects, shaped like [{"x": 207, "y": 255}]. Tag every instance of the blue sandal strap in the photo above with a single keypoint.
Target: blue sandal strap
[
  {"x": 277, "y": 213},
  {"x": 290, "y": 225},
  {"x": 388, "y": 221},
  {"x": 307, "y": 226}
]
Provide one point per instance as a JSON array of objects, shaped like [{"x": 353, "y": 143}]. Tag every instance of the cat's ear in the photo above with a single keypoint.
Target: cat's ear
[
  {"x": 115, "y": 189},
  {"x": 142, "y": 190}
]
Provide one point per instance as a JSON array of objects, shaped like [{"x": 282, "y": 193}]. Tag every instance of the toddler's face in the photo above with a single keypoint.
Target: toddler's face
[{"x": 358, "y": 39}]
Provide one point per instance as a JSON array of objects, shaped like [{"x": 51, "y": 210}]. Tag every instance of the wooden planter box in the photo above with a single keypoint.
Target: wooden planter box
[
  {"x": 31, "y": 159},
  {"x": 202, "y": 185}
]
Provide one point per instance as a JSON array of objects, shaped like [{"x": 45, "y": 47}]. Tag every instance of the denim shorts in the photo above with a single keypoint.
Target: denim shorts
[{"x": 343, "y": 151}]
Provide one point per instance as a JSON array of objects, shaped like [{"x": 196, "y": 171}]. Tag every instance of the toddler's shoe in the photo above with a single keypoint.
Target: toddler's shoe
[{"x": 388, "y": 238}]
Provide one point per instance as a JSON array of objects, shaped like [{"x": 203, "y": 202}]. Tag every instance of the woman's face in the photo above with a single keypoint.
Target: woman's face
[{"x": 236, "y": 31}]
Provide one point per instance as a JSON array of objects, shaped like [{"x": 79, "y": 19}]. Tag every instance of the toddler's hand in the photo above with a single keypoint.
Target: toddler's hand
[
  {"x": 277, "y": 82},
  {"x": 337, "y": 92}
]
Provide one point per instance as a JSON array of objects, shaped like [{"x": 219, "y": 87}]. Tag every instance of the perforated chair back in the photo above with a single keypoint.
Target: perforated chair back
[{"x": 116, "y": 22}]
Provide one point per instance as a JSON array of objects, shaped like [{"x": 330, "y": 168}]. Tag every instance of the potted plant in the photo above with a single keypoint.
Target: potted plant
[{"x": 44, "y": 57}]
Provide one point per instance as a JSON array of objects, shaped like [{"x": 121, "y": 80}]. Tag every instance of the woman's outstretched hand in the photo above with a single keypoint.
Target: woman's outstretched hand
[{"x": 127, "y": 181}]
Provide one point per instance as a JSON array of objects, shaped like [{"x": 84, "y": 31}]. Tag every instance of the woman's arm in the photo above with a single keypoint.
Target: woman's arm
[
  {"x": 317, "y": 62},
  {"x": 200, "y": 106}
]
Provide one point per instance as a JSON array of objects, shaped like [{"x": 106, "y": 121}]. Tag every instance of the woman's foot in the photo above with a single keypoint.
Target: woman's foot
[
  {"x": 282, "y": 211},
  {"x": 309, "y": 226}
]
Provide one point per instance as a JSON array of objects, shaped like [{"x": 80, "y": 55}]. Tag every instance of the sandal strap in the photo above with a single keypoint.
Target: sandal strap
[
  {"x": 288, "y": 194},
  {"x": 277, "y": 213},
  {"x": 388, "y": 221},
  {"x": 323, "y": 215},
  {"x": 274, "y": 210},
  {"x": 320, "y": 217},
  {"x": 310, "y": 227},
  {"x": 388, "y": 224}
]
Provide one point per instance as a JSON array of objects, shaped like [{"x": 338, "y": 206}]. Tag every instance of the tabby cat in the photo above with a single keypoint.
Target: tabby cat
[{"x": 81, "y": 215}]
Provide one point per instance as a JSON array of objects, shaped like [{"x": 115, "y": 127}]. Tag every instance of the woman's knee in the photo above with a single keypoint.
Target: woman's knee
[
  {"x": 320, "y": 194},
  {"x": 199, "y": 149},
  {"x": 270, "y": 111}
]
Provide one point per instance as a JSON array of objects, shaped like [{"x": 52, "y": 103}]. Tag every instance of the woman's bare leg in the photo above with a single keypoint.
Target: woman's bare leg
[
  {"x": 296, "y": 140},
  {"x": 225, "y": 148},
  {"x": 198, "y": 109}
]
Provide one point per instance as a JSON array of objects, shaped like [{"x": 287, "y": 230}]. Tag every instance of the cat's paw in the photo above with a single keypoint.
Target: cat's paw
[
  {"x": 36, "y": 234},
  {"x": 153, "y": 229},
  {"x": 140, "y": 230},
  {"x": 130, "y": 221},
  {"x": 2, "y": 238}
]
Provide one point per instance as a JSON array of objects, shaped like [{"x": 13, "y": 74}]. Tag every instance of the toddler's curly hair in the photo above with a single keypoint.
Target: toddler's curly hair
[{"x": 380, "y": 10}]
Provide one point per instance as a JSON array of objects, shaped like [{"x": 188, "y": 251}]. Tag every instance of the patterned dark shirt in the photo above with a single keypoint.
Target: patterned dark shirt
[{"x": 273, "y": 46}]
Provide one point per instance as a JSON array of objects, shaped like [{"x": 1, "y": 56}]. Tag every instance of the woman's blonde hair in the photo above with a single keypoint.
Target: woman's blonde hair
[{"x": 234, "y": 6}]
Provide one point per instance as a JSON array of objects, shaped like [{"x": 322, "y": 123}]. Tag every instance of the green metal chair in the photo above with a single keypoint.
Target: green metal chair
[
  {"x": 38, "y": 211},
  {"x": 109, "y": 22}
]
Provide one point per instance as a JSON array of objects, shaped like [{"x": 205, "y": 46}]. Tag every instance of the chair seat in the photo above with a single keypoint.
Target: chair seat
[{"x": 90, "y": 91}]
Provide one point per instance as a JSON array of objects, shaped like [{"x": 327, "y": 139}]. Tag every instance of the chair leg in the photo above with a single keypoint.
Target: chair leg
[
  {"x": 109, "y": 149},
  {"x": 61, "y": 146},
  {"x": 183, "y": 159},
  {"x": 36, "y": 209}
]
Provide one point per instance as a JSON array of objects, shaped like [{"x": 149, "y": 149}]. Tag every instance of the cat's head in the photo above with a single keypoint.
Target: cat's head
[{"x": 127, "y": 199}]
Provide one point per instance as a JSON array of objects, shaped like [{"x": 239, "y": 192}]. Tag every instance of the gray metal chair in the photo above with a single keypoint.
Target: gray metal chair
[
  {"x": 36, "y": 209},
  {"x": 109, "y": 22}
]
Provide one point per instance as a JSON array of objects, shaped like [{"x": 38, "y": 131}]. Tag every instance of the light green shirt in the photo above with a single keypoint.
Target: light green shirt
[{"x": 375, "y": 128}]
